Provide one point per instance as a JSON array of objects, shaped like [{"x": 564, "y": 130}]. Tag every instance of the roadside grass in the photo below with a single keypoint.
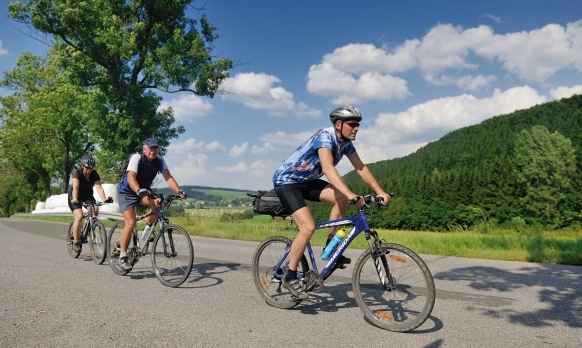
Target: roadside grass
[{"x": 554, "y": 247}]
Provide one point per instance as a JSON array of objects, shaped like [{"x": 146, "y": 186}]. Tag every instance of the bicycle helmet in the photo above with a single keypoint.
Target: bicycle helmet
[
  {"x": 345, "y": 113},
  {"x": 88, "y": 162}
]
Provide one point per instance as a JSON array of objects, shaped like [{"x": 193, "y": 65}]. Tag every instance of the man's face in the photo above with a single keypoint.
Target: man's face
[
  {"x": 348, "y": 129},
  {"x": 150, "y": 152}
]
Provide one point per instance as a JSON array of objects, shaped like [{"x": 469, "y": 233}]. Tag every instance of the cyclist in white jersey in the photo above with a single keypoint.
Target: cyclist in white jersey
[{"x": 299, "y": 178}]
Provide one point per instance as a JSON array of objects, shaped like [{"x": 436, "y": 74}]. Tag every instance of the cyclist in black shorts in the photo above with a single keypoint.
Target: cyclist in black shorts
[
  {"x": 81, "y": 190},
  {"x": 298, "y": 179}
]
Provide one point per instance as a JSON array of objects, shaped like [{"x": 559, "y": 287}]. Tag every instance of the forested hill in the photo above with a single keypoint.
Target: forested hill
[{"x": 524, "y": 167}]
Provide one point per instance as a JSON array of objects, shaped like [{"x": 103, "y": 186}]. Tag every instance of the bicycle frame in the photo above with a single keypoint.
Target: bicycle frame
[{"x": 360, "y": 224}]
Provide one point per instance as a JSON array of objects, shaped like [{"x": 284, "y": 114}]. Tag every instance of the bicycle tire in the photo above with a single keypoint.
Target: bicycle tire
[
  {"x": 172, "y": 266},
  {"x": 98, "y": 242},
  {"x": 113, "y": 249},
  {"x": 265, "y": 259},
  {"x": 407, "y": 306},
  {"x": 70, "y": 241}
]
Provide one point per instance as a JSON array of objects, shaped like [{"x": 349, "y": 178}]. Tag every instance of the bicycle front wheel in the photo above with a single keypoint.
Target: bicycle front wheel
[
  {"x": 172, "y": 256},
  {"x": 405, "y": 296},
  {"x": 113, "y": 247},
  {"x": 268, "y": 277},
  {"x": 98, "y": 241},
  {"x": 70, "y": 241}
]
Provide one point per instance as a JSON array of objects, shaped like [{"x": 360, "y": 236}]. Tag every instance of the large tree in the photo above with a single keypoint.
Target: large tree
[
  {"x": 127, "y": 49},
  {"x": 545, "y": 166},
  {"x": 44, "y": 122}
]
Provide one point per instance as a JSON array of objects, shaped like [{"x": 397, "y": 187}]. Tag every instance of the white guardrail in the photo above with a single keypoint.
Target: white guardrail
[{"x": 58, "y": 204}]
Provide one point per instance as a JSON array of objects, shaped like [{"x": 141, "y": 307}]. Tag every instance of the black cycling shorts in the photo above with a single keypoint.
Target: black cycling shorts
[{"x": 293, "y": 196}]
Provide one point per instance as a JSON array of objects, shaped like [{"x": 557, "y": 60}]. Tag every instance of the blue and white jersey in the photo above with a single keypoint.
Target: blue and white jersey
[{"x": 304, "y": 165}]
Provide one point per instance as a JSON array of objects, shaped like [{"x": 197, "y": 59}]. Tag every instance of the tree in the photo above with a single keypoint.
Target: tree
[
  {"x": 45, "y": 130},
  {"x": 127, "y": 49},
  {"x": 545, "y": 165}
]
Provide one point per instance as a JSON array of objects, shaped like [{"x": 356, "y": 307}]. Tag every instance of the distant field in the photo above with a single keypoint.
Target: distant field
[{"x": 224, "y": 193}]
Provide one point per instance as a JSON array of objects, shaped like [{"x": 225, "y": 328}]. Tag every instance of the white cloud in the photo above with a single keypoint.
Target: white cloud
[
  {"x": 3, "y": 51},
  {"x": 565, "y": 92},
  {"x": 214, "y": 146},
  {"x": 186, "y": 146},
  {"x": 187, "y": 169},
  {"x": 187, "y": 107},
  {"x": 240, "y": 150},
  {"x": 258, "y": 91},
  {"x": 445, "y": 56},
  {"x": 262, "y": 169},
  {"x": 263, "y": 149},
  {"x": 240, "y": 167}
]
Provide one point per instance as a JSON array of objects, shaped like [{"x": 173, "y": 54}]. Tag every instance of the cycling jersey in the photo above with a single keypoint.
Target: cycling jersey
[
  {"x": 85, "y": 191},
  {"x": 304, "y": 165},
  {"x": 146, "y": 172}
]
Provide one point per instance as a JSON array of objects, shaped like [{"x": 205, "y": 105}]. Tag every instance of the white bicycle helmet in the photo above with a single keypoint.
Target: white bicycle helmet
[{"x": 345, "y": 113}]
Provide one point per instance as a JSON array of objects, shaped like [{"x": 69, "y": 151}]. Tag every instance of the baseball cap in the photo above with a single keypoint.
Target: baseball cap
[{"x": 151, "y": 142}]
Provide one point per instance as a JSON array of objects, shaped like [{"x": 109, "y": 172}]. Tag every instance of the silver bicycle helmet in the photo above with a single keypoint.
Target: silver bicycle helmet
[
  {"x": 345, "y": 113},
  {"x": 88, "y": 162}
]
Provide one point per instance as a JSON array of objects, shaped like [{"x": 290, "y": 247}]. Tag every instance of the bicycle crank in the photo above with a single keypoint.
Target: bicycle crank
[{"x": 313, "y": 281}]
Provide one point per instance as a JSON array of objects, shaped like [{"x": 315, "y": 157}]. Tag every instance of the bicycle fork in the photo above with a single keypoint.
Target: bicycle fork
[{"x": 381, "y": 263}]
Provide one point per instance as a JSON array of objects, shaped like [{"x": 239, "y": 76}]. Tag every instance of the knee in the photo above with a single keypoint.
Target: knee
[{"x": 307, "y": 230}]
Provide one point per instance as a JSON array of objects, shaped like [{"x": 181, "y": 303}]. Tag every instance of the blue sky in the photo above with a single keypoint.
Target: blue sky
[{"x": 417, "y": 70}]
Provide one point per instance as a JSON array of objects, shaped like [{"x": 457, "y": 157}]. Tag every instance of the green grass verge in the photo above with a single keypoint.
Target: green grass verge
[{"x": 554, "y": 247}]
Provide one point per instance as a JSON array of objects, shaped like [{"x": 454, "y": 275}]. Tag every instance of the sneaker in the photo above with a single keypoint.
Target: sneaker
[
  {"x": 124, "y": 264},
  {"x": 77, "y": 247},
  {"x": 295, "y": 288}
]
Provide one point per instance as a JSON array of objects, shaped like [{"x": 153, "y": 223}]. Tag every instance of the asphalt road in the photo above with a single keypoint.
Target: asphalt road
[{"x": 48, "y": 299}]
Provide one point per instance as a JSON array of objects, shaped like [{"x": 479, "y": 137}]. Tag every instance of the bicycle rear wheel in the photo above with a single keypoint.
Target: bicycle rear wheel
[
  {"x": 172, "y": 256},
  {"x": 267, "y": 279},
  {"x": 71, "y": 241},
  {"x": 113, "y": 248},
  {"x": 98, "y": 242},
  {"x": 401, "y": 305}
]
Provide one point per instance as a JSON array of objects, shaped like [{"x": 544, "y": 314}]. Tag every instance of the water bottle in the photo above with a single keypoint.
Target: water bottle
[
  {"x": 333, "y": 244},
  {"x": 146, "y": 232}
]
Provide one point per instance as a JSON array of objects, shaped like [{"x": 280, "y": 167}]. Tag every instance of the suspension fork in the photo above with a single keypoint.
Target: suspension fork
[{"x": 380, "y": 262}]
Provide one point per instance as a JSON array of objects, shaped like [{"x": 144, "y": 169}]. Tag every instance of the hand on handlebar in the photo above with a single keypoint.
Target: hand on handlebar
[
  {"x": 142, "y": 192},
  {"x": 182, "y": 194}
]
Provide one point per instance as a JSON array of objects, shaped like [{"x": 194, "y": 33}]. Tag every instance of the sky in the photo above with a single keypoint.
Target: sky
[{"x": 416, "y": 70}]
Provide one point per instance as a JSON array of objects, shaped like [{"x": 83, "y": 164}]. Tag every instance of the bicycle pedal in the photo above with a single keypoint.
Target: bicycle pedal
[{"x": 340, "y": 265}]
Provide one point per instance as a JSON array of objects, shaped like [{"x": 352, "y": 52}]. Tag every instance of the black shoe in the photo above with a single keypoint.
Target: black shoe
[
  {"x": 77, "y": 247},
  {"x": 344, "y": 260}
]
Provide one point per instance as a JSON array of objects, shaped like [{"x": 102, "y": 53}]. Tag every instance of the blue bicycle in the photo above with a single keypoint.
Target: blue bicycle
[{"x": 392, "y": 285}]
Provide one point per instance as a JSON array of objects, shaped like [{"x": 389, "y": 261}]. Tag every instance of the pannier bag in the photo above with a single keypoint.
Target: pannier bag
[{"x": 267, "y": 203}]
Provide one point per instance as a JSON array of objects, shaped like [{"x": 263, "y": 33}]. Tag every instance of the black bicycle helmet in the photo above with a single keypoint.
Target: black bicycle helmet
[
  {"x": 88, "y": 162},
  {"x": 345, "y": 113}
]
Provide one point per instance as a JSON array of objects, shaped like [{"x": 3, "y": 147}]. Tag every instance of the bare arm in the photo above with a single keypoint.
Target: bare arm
[
  {"x": 366, "y": 175},
  {"x": 75, "y": 191},
  {"x": 100, "y": 190},
  {"x": 331, "y": 173},
  {"x": 171, "y": 181},
  {"x": 132, "y": 181}
]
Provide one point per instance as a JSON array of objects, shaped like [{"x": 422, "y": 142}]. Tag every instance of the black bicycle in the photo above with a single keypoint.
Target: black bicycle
[
  {"x": 92, "y": 232},
  {"x": 172, "y": 250},
  {"x": 392, "y": 285}
]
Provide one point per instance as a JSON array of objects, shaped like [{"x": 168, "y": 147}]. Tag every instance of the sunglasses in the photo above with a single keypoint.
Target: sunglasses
[{"x": 353, "y": 124}]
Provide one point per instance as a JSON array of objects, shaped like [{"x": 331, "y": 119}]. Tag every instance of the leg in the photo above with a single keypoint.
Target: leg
[
  {"x": 78, "y": 216},
  {"x": 340, "y": 207},
  {"x": 130, "y": 220}
]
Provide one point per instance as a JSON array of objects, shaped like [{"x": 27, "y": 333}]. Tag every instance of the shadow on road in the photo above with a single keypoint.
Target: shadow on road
[{"x": 560, "y": 291}]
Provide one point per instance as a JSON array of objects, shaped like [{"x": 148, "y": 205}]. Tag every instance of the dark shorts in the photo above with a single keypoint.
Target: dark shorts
[
  {"x": 79, "y": 205},
  {"x": 127, "y": 201},
  {"x": 293, "y": 196}
]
